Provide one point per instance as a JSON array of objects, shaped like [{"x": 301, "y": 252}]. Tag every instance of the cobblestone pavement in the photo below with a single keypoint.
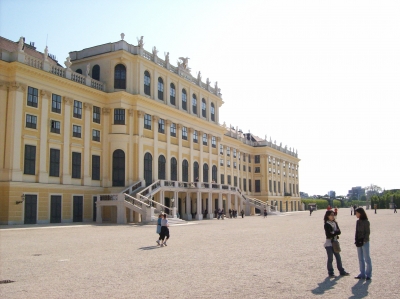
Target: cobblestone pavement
[{"x": 277, "y": 257}]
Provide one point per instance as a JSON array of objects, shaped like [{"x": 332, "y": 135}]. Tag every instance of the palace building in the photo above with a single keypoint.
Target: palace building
[{"x": 119, "y": 134}]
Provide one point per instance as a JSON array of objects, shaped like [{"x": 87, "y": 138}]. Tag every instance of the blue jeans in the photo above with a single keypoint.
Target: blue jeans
[
  {"x": 330, "y": 253},
  {"x": 364, "y": 259}
]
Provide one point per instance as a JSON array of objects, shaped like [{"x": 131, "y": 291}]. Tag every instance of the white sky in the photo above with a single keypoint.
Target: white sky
[{"x": 319, "y": 76}]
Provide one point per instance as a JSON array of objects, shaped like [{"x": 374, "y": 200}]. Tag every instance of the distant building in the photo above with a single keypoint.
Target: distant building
[
  {"x": 356, "y": 192},
  {"x": 304, "y": 195}
]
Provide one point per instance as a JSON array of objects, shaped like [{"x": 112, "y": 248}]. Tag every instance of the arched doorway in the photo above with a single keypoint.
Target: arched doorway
[{"x": 118, "y": 174}]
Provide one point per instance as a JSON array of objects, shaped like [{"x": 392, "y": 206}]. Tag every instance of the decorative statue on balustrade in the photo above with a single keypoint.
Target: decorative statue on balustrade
[
  {"x": 68, "y": 62},
  {"x": 154, "y": 51},
  {"x": 87, "y": 69},
  {"x": 46, "y": 53},
  {"x": 184, "y": 64},
  {"x": 199, "y": 78},
  {"x": 216, "y": 89},
  {"x": 140, "y": 42},
  {"x": 122, "y": 36},
  {"x": 166, "y": 58},
  {"x": 208, "y": 84},
  {"x": 21, "y": 44}
]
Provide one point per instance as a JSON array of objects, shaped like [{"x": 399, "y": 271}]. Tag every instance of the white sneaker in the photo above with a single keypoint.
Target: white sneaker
[
  {"x": 165, "y": 243},
  {"x": 158, "y": 242}
]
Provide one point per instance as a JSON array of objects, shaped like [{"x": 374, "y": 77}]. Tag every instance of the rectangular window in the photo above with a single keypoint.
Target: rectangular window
[
  {"x": 228, "y": 163},
  {"x": 257, "y": 169},
  {"x": 119, "y": 116},
  {"x": 228, "y": 151},
  {"x": 229, "y": 180},
  {"x": 244, "y": 167},
  {"x": 54, "y": 162},
  {"x": 222, "y": 179},
  {"x": 221, "y": 149},
  {"x": 221, "y": 162},
  {"x": 279, "y": 187},
  {"x": 76, "y": 131},
  {"x": 257, "y": 159},
  {"x": 270, "y": 185},
  {"x": 213, "y": 142},
  {"x": 96, "y": 114},
  {"x": 234, "y": 152},
  {"x": 249, "y": 158},
  {"x": 31, "y": 121},
  {"x": 258, "y": 185},
  {"x": 204, "y": 139},
  {"x": 244, "y": 185},
  {"x": 195, "y": 136},
  {"x": 30, "y": 159},
  {"x": 32, "y": 99},
  {"x": 234, "y": 165},
  {"x": 244, "y": 157},
  {"x": 173, "y": 129},
  {"x": 235, "y": 181},
  {"x": 161, "y": 126},
  {"x": 172, "y": 95},
  {"x": 147, "y": 121},
  {"x": 184, "y": 133},
  {"x": 55, "y": 126},
  {"x": 95, "y": 168},
  {"x": 55, "y": 103},
  {"x": 275, "y": 186},
  {"x": 96, "y": 135},
  {"x": 250, "y": 186},
  {"x": 77, "y": 109},
  {"x": 76, "y": 165}
]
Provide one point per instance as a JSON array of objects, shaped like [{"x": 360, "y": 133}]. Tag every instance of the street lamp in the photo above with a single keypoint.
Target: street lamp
[{"x": 20, "y": 201}]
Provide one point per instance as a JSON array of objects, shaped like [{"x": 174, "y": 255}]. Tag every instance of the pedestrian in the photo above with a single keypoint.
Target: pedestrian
[
  {"x": 395, "y": 208},
  {"x": 332, "y": 232},
  {"x": 222, "y": 214},
  {"x": 164, "y": 230},
  {"x": 311, "y": 210},
  {"x": 242, "y": 212},
  {"x": 265, "y": 213},
  {"x": 158, "y": 230},
  {"x": 219, "y": 214},
  {"x": 335, "y": 211},
  {"x": 351, "y": 210},
  {"x": 230, "y": 213},
  {"x": 362, "y": 243}
]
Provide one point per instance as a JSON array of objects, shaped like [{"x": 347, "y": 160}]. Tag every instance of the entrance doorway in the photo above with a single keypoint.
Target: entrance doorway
[
  {"x": 55, "y": 209},
  {"x": 94, "y": 208},
  {"x": 77, "y": 209},
  {"x": 30, "y": 216}
]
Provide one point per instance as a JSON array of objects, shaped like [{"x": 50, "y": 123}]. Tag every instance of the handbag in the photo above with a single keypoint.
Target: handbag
[
  {"x": 359, "y": 242},
  {"x": 336, "y": 246}
]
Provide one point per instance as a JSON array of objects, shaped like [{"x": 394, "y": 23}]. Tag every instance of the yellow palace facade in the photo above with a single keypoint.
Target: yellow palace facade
[{"x": 115, "y": 115}]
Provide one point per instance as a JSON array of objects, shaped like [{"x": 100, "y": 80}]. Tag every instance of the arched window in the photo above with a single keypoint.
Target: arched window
[
  {"x": 120, "y": 77},
  {"x": 147, "y": 83},
  {"x": 96, "y": 72},
  {"x": 161, "y": 167},
  {"x": 214, "y": 173},
  {"x": 118, "y": 174},
  {"x": 212, "y": 112},
  {"x": 203, "y": 108},
  {"x": 194, "y": 104},
  {"x": 196, "y": 171},
  {"x": 160, "y": 89},
  {"x": 79, "y": 71},
  {"x": 184, "y": 99},
  {"x": 172, "y": 94},
  {"x": 205, "y": 172},
  {"x": 174, "y": 169},
  {"x": 148, "y": 169},
  {"x": 185, "y": 171}
]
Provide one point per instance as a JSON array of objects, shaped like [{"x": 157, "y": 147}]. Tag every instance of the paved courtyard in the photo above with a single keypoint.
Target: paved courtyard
[{"x": 277, "y": 257}]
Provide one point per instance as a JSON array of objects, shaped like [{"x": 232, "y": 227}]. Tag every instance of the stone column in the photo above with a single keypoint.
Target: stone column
[
  {"x": 130, "y": 154},
  {"x": 220, "y": 200},
  {"x": 191, "y": 132},
  {"x": 168, "y": 158},
  {"x": 106, "y": 148},
  {"x": 199, "y": 212},
  {"x": 210, "y": 214},
  {"x": 4, "y": 173},
  {"x": 188, "y": 207},
  {"x": 140, "y": 167},
  {"x": 201, "y": 156},
  {"x": 210, "y": 164},
  {"x": 66, "y": 176},
  {"x": 155, "y": 147},
  {"x": 236, "y": 201},
  {"x": 180, "y": 149},
  {"x": 44, "y": 127},
  {"x": 87, "y": 180}
]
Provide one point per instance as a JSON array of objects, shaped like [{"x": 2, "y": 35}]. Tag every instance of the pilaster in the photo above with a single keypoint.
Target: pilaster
[
  {"x": 130, "y": 155},
  {"x": 106, "y": 148},
  {"x": 66, "y": 176},
  {"x": 140, "y": 170},
  {"x": 87, "y": 180},
  {"x": 43, "y": 150},
  {"x": 155, "y": 146}
]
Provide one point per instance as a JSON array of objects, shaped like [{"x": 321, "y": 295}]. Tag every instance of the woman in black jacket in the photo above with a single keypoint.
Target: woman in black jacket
[
  {"x": 362, "y": 243},
  {"x": 332, "y": 232}
]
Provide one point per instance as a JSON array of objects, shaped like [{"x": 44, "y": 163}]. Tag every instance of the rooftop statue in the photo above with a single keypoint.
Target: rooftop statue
[
  {"x": 208, "y": 84},
  {"x": 46, "y": 53},
  {"x": 166, "y": 57},
  {"x": 155, "y": 51},
  {"x": 122, "y": 36},
  {"x": 21, "y": 44},
  {"x": 185, "y": 63},
  {"x": 87, "y": 69},
  {"x": 199, "y": 77},
  {"x": 140, "y": 42}
]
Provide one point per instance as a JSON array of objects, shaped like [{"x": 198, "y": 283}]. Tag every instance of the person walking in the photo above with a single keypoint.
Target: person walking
[
  {"x": 362, "y": 243},
  {"x": 265, "y": 213},
  {"x": 335, "y": 211},
  {"x": 395, "y": 208},
  {"x": 164, "y": 230},
  {"x": 351, "y": 211},
  {"x": 242, "y": 213},
  {"x": 158, "y": 230},
  {"x": 311, "y": 210},
  {"x": 332, "y": 232}
]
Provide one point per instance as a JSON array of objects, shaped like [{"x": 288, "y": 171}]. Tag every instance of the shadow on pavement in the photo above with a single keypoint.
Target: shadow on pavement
[
  {"x": 324, "y": 286},
  {"x": 360, "y": 289},
  {"x": 148, "y": 248}
]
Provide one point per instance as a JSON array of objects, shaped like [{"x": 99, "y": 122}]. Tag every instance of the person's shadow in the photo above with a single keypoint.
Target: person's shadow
[
  {"x": 149, "y": 248},
  {"x": 360, "y": 289},
  {"x": 324, "y": 286}
]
